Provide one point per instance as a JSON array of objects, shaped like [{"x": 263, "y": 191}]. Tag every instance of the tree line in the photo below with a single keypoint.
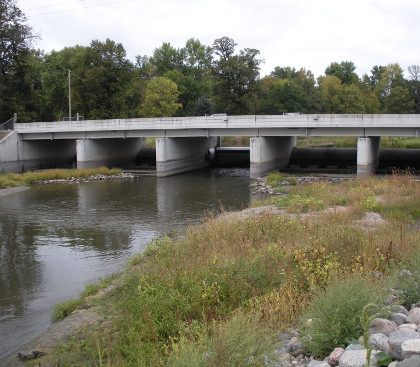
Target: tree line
[{"x": 196, "y": 79}]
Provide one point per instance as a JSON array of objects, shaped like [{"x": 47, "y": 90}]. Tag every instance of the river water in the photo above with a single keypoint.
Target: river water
[{"x": 56, "y": 238}]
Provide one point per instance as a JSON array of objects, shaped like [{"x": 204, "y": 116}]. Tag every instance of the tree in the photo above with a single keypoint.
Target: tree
[
  {"x": 344, "y": 71},
  {"x": 167, "y": 58},
  {"x": 280, "y": 96},
  {"x": 235, "y": 77},
  {"x": 399, "y": 101},
  {"x": 390, "y": 77},
  {"x": 102, "y": 81},
  {"x": 414, "y": 86},
  {"x": 160, "y": 98},
  {"x": 198, "y": 58},
  {"x": 15, "y": 51},
  {"x": 203, "y": 107}
]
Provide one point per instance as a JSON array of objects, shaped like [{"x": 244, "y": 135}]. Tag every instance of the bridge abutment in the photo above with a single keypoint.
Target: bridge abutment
[
  {"x": 270, "y": 153},
  {"x": 93, "y": 153},
  {"x": 177, "y": 155},
  {"x": 368, "y": 150},
  {"x": 17, "y": 155}
]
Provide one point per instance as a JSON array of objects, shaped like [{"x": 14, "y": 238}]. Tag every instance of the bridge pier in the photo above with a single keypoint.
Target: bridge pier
[
  {"x": 177, "y": 155},
  {"x": 93, "y": 153},
  {"x": 270, "y": 153},
  {"x": 368, "y": 155}
]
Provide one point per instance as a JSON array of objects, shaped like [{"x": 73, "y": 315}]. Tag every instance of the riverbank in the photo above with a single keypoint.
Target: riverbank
[
  {"x": 11, "y": 180},
  {"x": 195, "y": 297}
]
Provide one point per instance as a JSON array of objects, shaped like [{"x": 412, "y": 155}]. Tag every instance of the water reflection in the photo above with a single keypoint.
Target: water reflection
[{"x": 58, "y": 237}]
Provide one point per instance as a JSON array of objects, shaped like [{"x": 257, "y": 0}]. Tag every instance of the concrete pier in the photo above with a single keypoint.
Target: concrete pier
[
  {"x": 176, "y": 155},
  {"x": 93, "y": 153},
  {"x": 270, "y": 153},
  {"x": 368, "y": 150}
]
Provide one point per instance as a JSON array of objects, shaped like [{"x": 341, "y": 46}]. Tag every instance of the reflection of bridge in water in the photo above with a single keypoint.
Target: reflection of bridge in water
[{"x": 183, "y": 143}]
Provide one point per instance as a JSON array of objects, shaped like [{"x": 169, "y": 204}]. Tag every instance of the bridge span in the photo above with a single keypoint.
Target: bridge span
[{"x": 183, "y": 142}]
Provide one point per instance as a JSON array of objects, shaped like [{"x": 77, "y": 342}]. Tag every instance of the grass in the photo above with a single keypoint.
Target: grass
[
  {"x": 178, "y": 302},
  {"x": 31, "y": 177},
  {"x": 351, "y": 142},
  {"x": 64, "y": 309}
]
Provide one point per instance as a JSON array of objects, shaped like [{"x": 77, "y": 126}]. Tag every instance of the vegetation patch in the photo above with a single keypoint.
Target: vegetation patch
[
  {"x": 185, "y": 302},
  {"x": 32, "y": 177}
]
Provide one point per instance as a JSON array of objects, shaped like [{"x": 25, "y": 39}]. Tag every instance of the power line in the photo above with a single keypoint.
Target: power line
[
  {"x": 57, "y": 4},
  {"x": 78, "y": 8}
]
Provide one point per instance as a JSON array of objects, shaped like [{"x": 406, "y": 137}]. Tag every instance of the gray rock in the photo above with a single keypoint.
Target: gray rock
[
  {"x": 414, "y": 316},
  {"x": 283, "y": 360},
  {"x": 393, "y": 364},
  {"x": 295, "y": 346},
  {"x": 397, "y": 338},
  {"x": 355, "y": 347},
  {"x": 413, "y": 361},
  {"x": 410, "y": 348},
  {"x": 382, "y": 326},
  {"x": 399, "y": 318},
  {"x": 380, "y": 342},
  {"x": 335, "y": 356},
  {"x": 412, "y": 327},
  {"x": 318, "y": 364},
  {"x": 357, "y": 358},
  {"x": 416, "y": 305}
]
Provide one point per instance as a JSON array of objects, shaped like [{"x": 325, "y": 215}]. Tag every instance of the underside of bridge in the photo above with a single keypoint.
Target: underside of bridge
[{"x": 175, "y": 155}]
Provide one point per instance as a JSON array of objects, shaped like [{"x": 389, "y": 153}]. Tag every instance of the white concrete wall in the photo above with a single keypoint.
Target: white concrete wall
[
  {"x": 17, "y": 155},
  {"x": 176, "y": 155},
  {"x": 104, "y": 152},
  {"x": 270, "y": 153},
  {"x": 368, "y": 150}
]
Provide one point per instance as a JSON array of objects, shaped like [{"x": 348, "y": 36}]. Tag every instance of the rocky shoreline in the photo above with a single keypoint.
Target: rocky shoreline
[
  {"x": 397, "y": 337},
  {"x": 75, "y": 180}
]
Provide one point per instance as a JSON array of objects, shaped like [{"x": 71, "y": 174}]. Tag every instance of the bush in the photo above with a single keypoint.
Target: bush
[
  {"x": 407, "y": 282},
  {"x": 335, "y": 313},
  {"x": 238, "y": 342}
]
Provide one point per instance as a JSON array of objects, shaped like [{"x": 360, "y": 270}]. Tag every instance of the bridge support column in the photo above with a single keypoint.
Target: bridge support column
[
  {"x": 269, "y": 153},
  {"x": 177, "y": 155},
  {"x": 93, "y": 153},
  {"x": 368, "y": 155}
]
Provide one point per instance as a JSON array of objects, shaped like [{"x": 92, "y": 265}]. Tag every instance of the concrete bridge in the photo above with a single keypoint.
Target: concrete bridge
[{"x": 184, "y": 142}]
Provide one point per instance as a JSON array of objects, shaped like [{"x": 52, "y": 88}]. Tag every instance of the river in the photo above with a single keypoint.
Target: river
[{"x": 57, "y": 238}]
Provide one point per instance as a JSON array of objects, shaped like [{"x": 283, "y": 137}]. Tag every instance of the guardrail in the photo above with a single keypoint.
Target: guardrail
[{"x": 9, "y": 124}]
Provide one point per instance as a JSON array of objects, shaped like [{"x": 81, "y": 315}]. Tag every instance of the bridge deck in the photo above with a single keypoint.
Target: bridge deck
[{"x": 219, "y": 125}]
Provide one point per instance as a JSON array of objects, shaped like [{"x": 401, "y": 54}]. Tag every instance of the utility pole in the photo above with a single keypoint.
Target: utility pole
[{"x": 69, "y": 72}]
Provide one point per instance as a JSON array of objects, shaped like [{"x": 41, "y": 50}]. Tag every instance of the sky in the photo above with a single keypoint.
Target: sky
[{"x": 297, "y": 33}]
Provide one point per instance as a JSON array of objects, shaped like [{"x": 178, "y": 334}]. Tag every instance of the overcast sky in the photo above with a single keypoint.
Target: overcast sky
[{"x": 297, "y": 33}]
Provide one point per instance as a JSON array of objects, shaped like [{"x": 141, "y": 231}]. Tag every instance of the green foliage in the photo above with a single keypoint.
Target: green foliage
[
  {"x": 32, "y": 177},
  {"x": 407, "y": 282},
  {"x": 237, "y": 342},
  {"x": 64, "y": 309},
  {"x": 160, "y": 98},
  {"x": 335, "y": 313}
]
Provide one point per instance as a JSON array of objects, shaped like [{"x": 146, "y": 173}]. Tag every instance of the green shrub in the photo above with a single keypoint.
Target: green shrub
[
  {"x": 64, "y": 309},
  {"x": 238, "y": 342},
  {"x": 335, "y": 313},
  {"x": 407, "y": 283}
]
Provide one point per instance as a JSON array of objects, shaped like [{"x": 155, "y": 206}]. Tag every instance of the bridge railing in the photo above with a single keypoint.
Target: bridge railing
[{"x": 9, "y": 124}]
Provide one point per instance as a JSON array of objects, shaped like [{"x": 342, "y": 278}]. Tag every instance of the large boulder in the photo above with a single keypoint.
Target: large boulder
[
  {"x": 357, "y": 358},
  {"x": 382, "y": 326},
  {"x": 414, "y": 316},
  {"x": 413, "y": 361},
  {"x": 335, "y": 356},
  {"x": 410, "y": 348},
  {"x": 380, "y": 342},
  {"x": 397, "y": 338}
]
